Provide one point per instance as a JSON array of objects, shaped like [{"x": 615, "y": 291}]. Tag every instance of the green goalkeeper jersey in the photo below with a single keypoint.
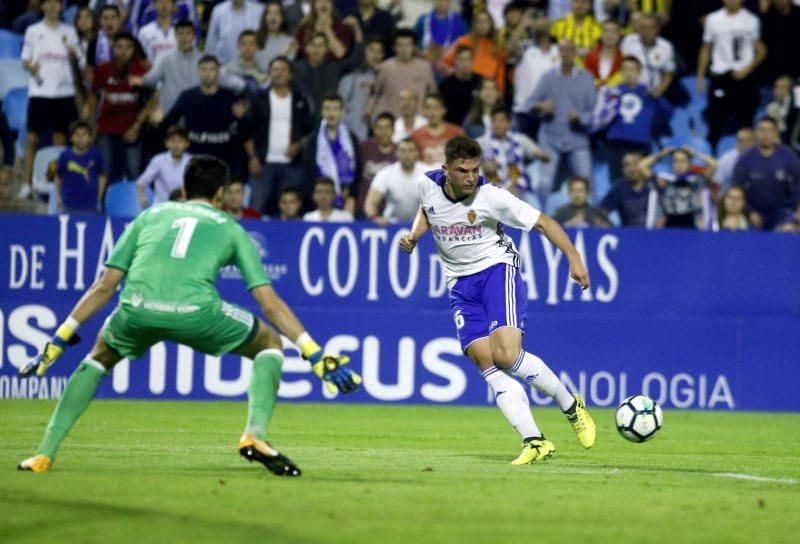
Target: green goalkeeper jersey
[{"x": 172, "y": 254}]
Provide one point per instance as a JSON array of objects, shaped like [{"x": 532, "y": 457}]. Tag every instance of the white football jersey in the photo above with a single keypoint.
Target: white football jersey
[
  {"x": 733, "y": 39},
  {"x": 469, "y": 233}
]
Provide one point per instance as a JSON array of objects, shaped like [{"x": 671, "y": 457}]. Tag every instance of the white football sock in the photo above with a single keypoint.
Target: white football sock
[
  {"x": 512, "y": 401},
  {"x": 534, "y": 371}
]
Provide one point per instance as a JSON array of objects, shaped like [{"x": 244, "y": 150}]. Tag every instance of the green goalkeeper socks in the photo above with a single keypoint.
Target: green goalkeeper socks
[
  {"x": 263, "y": 391},
  {"x": 77, "y": 395}
]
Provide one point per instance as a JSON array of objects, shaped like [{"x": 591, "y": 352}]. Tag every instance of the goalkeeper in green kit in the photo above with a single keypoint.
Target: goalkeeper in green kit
[{"x": 169, "y": 257}]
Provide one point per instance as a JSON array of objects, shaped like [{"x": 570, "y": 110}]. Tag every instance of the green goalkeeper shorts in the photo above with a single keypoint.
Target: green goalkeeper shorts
[{"x": 216, "y": 330}]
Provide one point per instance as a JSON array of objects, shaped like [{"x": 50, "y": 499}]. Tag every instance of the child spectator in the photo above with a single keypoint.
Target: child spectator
[
  {"x": 272, "y": 36},
  {"x": 732, "y": 211},
  {"x": 324, "y": 196},
  {"x": 165, "y": 171},
  {"x": 233, "y": 202},
  {"x": 290, "y": 203},
  {"x": 80, "y": 180},
  {"x": 324, "y": 19}
]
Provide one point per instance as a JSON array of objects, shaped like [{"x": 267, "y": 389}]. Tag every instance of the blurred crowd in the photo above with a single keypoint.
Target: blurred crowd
[{"x": 633, "y": 113}]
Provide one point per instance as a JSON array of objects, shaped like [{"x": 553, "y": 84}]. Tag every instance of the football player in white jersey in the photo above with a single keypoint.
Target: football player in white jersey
[{"x": 488, "y": 298}]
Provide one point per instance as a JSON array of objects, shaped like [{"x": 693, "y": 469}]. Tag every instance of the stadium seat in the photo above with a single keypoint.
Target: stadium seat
[
  {"x": 41, "y": 163},
  {"x": 15, "y": 106},
  {"x": 725, "y": 144},
  {"x": 68, "y": 15},
  {"x": 13, "y": 76},
  {"x": 697, "y": 107},
  {"x": 601, "y": 181},
  {"x": 122, "y": 200},
  {"x": 51, "y": 200},
  {"x": 10, "y": 45}
]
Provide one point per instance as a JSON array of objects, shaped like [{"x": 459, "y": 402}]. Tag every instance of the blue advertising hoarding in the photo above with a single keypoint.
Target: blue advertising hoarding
[{"x": 695, "y": 320}]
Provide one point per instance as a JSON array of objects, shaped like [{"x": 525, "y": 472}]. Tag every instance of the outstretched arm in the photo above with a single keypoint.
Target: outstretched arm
[
  {"x": 418, "y": 229},
  {"x": 553, "y": 232},
  {"x": 278, "y": 312}
]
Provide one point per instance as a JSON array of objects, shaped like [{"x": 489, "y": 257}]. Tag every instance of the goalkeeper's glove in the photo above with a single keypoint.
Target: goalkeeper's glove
[
  {"x": 64, "y": 336},
  {"x": 329, "y": 367}
]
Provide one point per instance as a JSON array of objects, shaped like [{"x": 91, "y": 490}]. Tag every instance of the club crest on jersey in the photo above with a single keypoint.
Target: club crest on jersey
[{"x": 472, "y": 216}]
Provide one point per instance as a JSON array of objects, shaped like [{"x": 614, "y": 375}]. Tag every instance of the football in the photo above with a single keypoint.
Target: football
[{"x": 639, "y": 418}]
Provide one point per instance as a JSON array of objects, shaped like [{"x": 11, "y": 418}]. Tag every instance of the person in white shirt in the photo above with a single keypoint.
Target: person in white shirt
[
  {"x": 49, "y": 50},
  {"x": 726, "y": 163},
  {"x": 396, "y": 187},
  {"x": 165, "y": 171},
  {"x": 488, "y": 298},
  {"x": 228, "y": 20},
  {"x": 324, "y": 196},
  {"x": 535, "y": 62},
  {"x": 158, "y": 37},
  {"x": 409, "y": 119},
  {"x": 656, "y": 55},
  {"x": 733, "y": 47}
]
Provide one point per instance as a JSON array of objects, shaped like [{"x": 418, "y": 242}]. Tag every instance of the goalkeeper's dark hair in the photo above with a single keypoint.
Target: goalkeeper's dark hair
[
  {"x": 203, "y": 177},
  {"x": 461, "y": 147}
]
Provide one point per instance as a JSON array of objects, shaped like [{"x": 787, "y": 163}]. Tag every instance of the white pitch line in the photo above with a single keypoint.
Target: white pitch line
[{"x": 755, "y": 478}]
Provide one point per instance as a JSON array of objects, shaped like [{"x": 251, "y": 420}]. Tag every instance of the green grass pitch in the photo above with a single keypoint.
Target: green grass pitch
[{"x": 169, "y": 472}]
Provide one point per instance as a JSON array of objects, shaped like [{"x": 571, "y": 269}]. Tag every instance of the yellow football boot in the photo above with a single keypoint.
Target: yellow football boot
[
  {"x": 255, "y": 449},
  {"x": 582, "y": 423},
  {"x": 534, "y": 450},
  {"x": 37, "y": 463}
]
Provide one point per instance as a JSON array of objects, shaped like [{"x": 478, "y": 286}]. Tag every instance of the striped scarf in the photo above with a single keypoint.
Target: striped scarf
[{"x": 509, "y": 157}]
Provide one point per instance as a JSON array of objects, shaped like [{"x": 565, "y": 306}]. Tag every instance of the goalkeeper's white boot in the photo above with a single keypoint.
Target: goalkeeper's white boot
[
  {"x": 255, "y": 449},
  {"x": 37, "y": 463}
]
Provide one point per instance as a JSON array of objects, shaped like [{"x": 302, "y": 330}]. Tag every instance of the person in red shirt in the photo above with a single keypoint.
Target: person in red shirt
[
  {"x": 430, "y": 139},
  {"x": 233, "y": 202},
  {"x": 122, "y": 109}
]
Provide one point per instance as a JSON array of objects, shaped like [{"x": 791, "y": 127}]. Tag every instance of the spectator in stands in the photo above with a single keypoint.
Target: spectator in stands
[
  {"x": 489, "y": 57},
  {"x": 780, "y": 25},
  {"x": 655, "y": 54},
  {"x": 438, "y": 29},
  {"x": 29, "y": 17},
  {"x": 518, "y": 32},
  {"x": 578, "y": 26},
  {"x": 323, "y": 19},
  {"x": 637, "y": 115},
  {"x": 376, "y": 153},
  {"x": 9, "y": 149},
  {"x": 80, "y": 180},
  {"x": 356, "y": 87},
  {"x": 479, "y": 116},
  {"x": 403, "y": 71},
  {"x": 318, "y": 77},
  {"x": 143, "y": 12},
  {"x": 770, "y": 175},
  {"x": 791, "y": 223},
  {"x": 565, "y": 100},
  {"x": 228, "y": 20},
  {"x": 395, "y": 187},
  {"x": 732, "y": 44},
  {"x": 536, "y": 61},
  {"x": 244, "y": 65},
  {"x": 376, "y": 23},
  {"x": 290, "y": 202},
  {"x": 101, "y": 49},
  {"x": 86, "y": 26},
  {"x": 629, "y": 196},
  {"x": 282, "y": 119},
  {"x": 506, "y": 153},
  {"x": 430, "y": 138},
  {"x": 578, "y": 213},
  {"x": 333, "y": 153},
  {"x": 409, "y": 119},
  {"x": 683, "y": 194},
  {"x": 459, "y": 88},
  {"x": 324, "y": 196},
  {"x": 783, "y": 108},
  {"x": 233, "y": 202},
  {"x": 604, "y": 61},
  {"x": 121, "y": 112},
  {"x": 215, "y": 132},
  {"x": 727, "y": 162},
  {"x": 158, "y": 36},
  {"x": 732, "y": 211},
  {"x": 46, "y": 52},
  {"x": 165, "y": 171},
  {"x": 273, "y": 36}
]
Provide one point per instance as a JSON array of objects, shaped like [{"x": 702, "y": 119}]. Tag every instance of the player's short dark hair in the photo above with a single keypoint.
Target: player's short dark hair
[
  {"x": 384, "y": 115},
  {"x": 203, "y": 177},
  {"x": 208, "y": 58},
  {"x": 632, "y": 59},
  {"x": 110, "y": 7},
  {"x": 461, "y": 147},
  {"x": 404, "y": 33},
  {"x": 176, "y": 130},
  {"x": 245, "y": 33},
  {"x": 500, "y": 109},
  {"x": 333, "y": 97},
  {"x": 184, "y": 23},
  {"x": 79, "y": 124},
  {"x": 124, "y": 35},
  {"x": 280, "y": 58},
  {"x": 324, "y": 180},
  {"x": 578, "y": 179}
]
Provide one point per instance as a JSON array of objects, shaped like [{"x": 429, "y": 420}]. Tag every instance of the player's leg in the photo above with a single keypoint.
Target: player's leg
[
  {"x": 506, "y": 302},
  {"x": 79, "y": 392}
]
